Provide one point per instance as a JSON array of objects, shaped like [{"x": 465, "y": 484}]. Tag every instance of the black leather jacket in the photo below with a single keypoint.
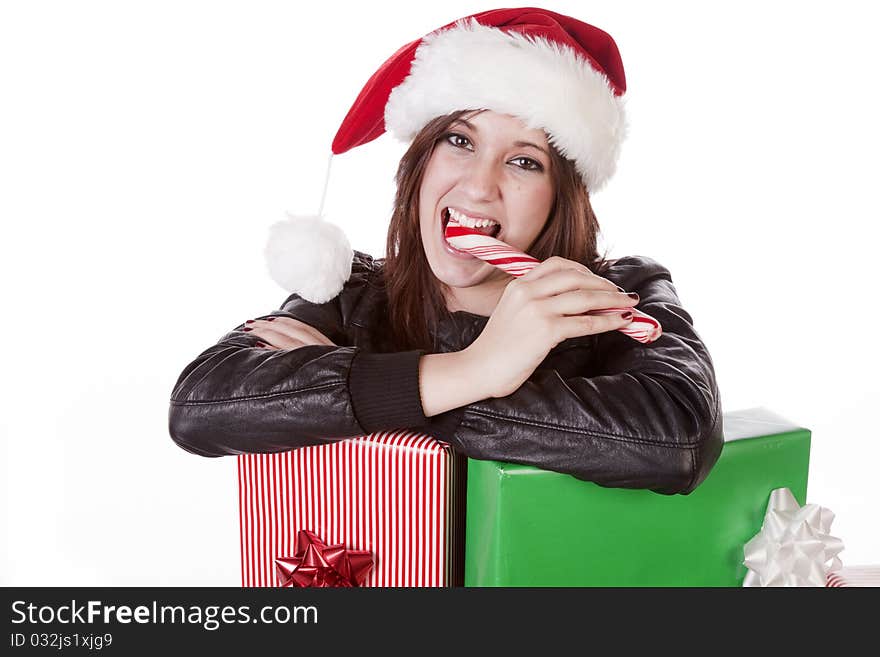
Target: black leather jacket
[{"x": 604, "y": 408}]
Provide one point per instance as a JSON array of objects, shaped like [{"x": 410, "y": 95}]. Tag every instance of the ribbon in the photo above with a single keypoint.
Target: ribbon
[
  {"x": 317, "y": 564},
  {"x": 793, "y": 546}
]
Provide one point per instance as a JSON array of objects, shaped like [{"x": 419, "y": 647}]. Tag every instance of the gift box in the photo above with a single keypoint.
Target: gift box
[
  {"x": 531, "y": 527},
  {"x": 855, "y": 576},
  {"x": 397, "y": 496}
]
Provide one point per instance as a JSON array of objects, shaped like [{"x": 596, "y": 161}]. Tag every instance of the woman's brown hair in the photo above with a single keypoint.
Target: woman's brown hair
[{"x": 415, "y": 298}]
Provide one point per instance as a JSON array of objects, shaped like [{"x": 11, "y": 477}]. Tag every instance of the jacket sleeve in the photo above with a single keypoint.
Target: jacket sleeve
[
  {"x": 235, "y": 398},
  {"x": 648, "y": 416}
]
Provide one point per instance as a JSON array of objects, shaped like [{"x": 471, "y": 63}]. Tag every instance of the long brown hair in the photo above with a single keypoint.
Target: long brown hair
[{"x": 415, "y": 298}]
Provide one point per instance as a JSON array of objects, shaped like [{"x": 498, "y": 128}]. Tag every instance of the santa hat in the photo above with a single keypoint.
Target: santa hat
[{"x": 551, "y": 71}]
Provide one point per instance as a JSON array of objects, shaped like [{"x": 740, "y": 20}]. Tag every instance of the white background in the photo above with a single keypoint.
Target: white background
[{"x": 146, "y": 147}]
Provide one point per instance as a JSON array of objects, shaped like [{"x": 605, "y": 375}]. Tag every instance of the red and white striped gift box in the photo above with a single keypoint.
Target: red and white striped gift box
[
  {"x": 399, "y": 495},
  {"x": 855, "y": 576}
]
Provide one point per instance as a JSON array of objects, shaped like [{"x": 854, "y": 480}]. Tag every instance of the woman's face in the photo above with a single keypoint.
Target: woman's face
[{"x": 487, "y": 166}]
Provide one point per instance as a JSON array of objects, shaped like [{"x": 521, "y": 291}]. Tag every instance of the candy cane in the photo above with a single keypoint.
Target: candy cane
[{"x": 643, "y": 328}]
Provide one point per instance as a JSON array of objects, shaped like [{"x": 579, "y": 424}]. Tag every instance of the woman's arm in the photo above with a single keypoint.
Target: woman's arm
[
  {"x": 450, "y": 380},
  {"x": 650, "y": 417},
  {"x": 236, "y": 398}
]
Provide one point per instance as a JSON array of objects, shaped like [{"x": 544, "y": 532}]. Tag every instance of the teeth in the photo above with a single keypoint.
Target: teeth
[{"x": 464, "y": 220}]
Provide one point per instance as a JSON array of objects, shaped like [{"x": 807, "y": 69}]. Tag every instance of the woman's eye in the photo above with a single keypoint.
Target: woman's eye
[
  {"x": 460, "y": 141},
  {"x": 529, "y": 164},
  {"x": 453, "y": 138}
]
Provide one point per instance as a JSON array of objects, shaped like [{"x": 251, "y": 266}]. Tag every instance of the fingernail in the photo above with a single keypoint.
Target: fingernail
[
  {"x": 250, "y": 321},
  {"x": 632, "y": 295},
  {"x": 627, "y": 315},
  {"x": 262, "y": 344},
  {"x": 247, "y": 329},
  {"x": 270, "y": 319}
]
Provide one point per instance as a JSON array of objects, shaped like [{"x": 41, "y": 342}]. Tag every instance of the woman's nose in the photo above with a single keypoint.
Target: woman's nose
[{"x": 481, "y": 180}]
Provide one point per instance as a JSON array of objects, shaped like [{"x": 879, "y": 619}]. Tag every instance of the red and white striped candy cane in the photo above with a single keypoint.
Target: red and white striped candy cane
[{"x": 643, "y": 328}]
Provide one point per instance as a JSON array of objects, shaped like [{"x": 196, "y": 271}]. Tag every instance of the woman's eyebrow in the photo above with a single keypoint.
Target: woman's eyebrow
[
  {"x": 518, "y": 144},
  {"x": 522, "y": 144},
  {"x": 467, "y": 123}
]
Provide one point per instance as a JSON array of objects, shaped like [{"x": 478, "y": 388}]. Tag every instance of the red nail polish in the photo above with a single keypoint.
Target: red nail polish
[
  {"x": 626, "y": 315},
  {"x": 250, "y": 321},
  {"x": 270, "y": 319},
  {"x": 247, "y": 329}
]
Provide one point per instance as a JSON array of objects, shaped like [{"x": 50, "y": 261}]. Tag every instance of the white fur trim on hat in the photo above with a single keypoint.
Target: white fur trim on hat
[
  {"x": 309, "y": 257},
  {"x": 544, "y": 83}
]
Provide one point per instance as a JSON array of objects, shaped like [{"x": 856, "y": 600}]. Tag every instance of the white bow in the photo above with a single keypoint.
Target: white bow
[{"x": 793, "y": 546}]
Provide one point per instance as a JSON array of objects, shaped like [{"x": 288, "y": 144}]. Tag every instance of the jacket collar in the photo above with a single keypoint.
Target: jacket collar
[
  {"x": 454, "y": 333},
  {"x": 459, "y": 330}
]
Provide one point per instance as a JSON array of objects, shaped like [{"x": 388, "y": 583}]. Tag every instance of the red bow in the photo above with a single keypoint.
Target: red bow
[{"x": 316, "y": 564}]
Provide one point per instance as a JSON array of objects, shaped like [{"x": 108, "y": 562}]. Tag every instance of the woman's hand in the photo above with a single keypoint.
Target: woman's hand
[
  {"x": 538, "y": 311},
  {"x": 285, "y": 333}
]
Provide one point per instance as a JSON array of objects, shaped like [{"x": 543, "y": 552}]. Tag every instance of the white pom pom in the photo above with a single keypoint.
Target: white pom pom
[{"x": 309, "y": 257}]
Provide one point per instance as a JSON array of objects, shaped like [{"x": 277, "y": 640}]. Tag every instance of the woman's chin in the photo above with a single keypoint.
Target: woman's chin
[{"x": 460, "y": 273}]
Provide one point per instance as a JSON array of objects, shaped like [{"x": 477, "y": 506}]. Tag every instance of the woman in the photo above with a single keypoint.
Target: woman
[{"x": 436, "y": 341}]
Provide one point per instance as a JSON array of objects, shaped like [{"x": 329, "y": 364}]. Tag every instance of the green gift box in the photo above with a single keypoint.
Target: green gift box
[{"x": 531, "y": 527}]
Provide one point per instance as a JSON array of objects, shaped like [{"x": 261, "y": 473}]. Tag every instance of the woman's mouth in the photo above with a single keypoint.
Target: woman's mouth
[{"x": 492, "y": 231}]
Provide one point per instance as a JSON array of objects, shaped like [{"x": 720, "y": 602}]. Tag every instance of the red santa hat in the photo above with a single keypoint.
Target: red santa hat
[{"x": 551, "y": 71}]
